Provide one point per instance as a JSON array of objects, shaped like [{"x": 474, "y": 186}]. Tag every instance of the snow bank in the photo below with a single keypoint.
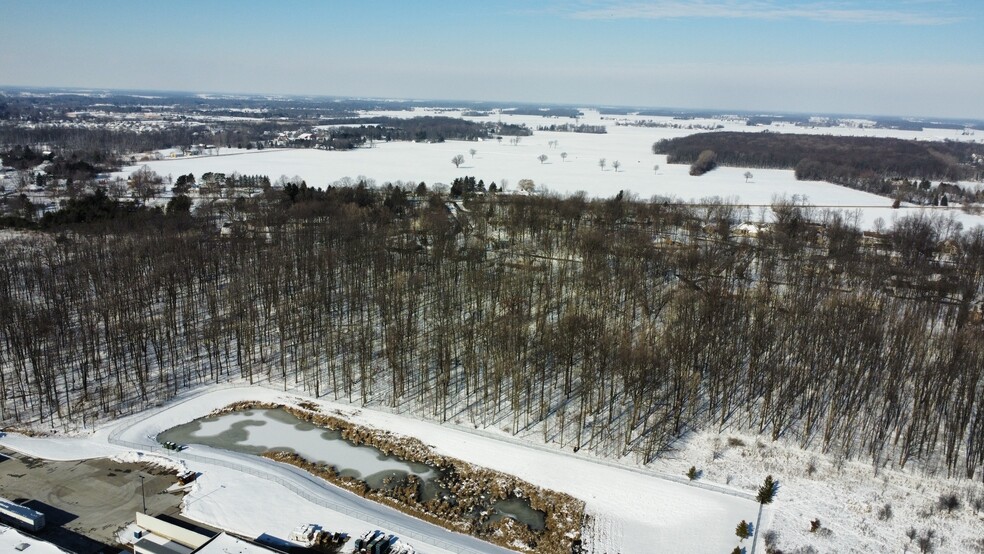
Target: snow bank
[
  {"x": 62, "y": 449},
  {"x": 134, "y": 457}
]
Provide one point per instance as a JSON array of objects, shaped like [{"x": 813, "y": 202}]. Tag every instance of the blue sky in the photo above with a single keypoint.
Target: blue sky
[{"x": 901, "y": 57}]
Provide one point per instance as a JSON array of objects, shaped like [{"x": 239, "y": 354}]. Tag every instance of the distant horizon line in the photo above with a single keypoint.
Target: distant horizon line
[{"x": 302, "y": 96}]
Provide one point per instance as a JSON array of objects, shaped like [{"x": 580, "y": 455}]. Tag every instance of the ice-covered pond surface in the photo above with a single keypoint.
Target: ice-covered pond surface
[
  {"x": 258, "y": 431},
  {"x": 520, "y": 510}
]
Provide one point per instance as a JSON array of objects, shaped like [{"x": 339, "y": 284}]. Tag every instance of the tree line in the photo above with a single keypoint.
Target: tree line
[
  {"x": 866, "y": 163},
  {"x": 574, "y": 128},
  {"x": 610, "y": 325},
  {"x": 119, "y": 142},
  {"x": 420, "y": 129}
]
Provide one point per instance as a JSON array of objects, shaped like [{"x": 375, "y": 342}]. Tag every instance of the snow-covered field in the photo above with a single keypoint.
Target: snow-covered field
[
  {"x": 503, "y": 162},
  {"x": 632, "y": 509}
]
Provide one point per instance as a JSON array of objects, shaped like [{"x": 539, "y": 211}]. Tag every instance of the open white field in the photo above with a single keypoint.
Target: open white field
[
  {"x": 506, "y": 163},
  {"x": 728, "y": 123}
]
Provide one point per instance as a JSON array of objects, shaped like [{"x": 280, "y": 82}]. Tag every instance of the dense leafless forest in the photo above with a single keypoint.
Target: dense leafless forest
[{"x": 614, "y": 326}]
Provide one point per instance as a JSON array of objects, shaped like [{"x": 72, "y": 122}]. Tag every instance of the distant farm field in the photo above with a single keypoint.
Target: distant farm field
[{"x": 504, "y": 162}]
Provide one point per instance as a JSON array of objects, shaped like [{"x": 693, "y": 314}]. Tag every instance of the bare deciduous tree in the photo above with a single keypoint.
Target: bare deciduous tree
[
  {"x": 458, "y": 160},
  {"x": 542, "y": 158},
  {"x": 409, "y": 309},
  {"x": 146, "y": 183}
]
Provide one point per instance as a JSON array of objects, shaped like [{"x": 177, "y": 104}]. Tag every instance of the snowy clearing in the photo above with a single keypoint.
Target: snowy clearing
[{"x": 849, "y": 498}]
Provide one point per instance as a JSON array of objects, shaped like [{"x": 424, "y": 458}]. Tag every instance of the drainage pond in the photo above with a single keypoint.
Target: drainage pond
[{"x": 262, "y": 430}]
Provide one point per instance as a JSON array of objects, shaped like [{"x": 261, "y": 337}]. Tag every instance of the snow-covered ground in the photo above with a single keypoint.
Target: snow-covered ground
[
  {"x": 849, "y": 498},
  {"x": 503, "y": 162},
  {"x": 632, "y": 509}
]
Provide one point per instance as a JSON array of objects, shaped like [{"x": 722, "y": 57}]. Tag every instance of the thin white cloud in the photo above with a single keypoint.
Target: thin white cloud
[{"x": 832, "y": 12}]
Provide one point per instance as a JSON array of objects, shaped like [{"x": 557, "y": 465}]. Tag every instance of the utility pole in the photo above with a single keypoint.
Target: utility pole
[{"x": 142, "y": 495}]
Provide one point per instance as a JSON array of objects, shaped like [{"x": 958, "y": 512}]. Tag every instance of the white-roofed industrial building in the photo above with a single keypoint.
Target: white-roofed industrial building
[{"x": 161, "y": 537}]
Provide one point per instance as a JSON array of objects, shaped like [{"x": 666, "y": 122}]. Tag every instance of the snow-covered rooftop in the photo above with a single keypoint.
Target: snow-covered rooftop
[
  {"x": 12, "y": 539},
  {"x": 227, "y": 544}
]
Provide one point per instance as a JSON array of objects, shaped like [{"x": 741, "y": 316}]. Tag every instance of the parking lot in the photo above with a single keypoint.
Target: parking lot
[{"x": 86, "y": 502}]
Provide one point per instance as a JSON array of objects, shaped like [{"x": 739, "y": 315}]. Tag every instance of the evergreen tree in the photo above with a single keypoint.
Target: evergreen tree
[
  {"x": 744, "y": 530},
  {"x": 178, "y": 204},
  {"x": 766, "y": 494}
]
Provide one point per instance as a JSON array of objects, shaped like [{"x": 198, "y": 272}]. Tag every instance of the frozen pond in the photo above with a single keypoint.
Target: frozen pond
[
  {"x": 258, "y": 431},
  {"x": 520, "y": 510}
]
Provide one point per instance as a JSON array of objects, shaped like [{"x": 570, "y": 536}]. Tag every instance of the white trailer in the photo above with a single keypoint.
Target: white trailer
[{"x": 20, "y": 516}]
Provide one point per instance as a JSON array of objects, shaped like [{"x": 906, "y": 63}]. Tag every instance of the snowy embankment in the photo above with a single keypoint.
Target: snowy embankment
[{"x": 631, "y": 511}]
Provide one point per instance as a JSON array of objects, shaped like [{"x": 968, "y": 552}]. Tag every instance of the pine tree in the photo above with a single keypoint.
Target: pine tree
[
  {"x": 766, "y": 494},
  {"x": 744, "y": 530}
]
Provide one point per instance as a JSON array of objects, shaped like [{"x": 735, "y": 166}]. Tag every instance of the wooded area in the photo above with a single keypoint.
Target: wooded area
[
  {"x": 614, "y": 326},
  {"x": 119, "y": 142},
  {"x": 866, "y": 163}
]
